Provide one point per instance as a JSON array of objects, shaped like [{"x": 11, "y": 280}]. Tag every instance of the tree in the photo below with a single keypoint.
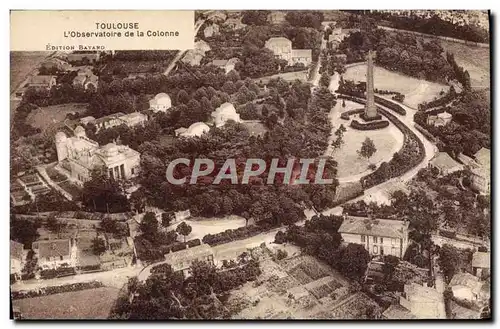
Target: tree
[
  {"x": 104, "y": 194},
  {"x": 354, "y": 260},
  {"x": 325, "y": 79},
  {"x": 367, "y": 148},
  {"x": 184, "y": 229},
  {"x": 149, "y": 225},
  {"x": 23, "y": 231},
  {"x": 98, "y": 246},
  {"x": 449, "y": 261},
  {"x": 165, "y": 219},
  {"x": 54, "y": 225}
]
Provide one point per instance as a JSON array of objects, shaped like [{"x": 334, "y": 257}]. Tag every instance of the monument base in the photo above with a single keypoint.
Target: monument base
[{"x": 372, "y": 118}]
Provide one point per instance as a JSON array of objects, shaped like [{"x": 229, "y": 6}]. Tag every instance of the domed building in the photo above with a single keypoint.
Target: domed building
[
  {"x": 224, "y": 113},
  {"x": 78, "y": 156},
  {"x": 195, "y": 130},
  {"x": 160, "y": 103}
]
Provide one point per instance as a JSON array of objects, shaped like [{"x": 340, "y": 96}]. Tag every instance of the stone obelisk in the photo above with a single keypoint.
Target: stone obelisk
[{"x": 370, "y": 108}]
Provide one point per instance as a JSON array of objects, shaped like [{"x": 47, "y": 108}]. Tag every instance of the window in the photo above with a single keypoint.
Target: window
[
  {"x": 375, "y": 239},
  {"x": 61, "y": 257},
  {"x": 393, "y": 241},
  {"x": 381, "y": 240},
  {"x": 363, "y": 238},
  {"x": 375, "y": 250},
  {"x": 381, "y": 250}
]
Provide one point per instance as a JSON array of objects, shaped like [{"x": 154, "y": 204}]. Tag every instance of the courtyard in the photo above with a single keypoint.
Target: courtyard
[{"x": 415, "y": 90}]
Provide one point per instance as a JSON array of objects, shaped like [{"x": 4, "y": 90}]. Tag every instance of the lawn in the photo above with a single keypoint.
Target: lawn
[
  {"x": 349, "y": 164},
  {"x": 44, "y": 117},
  {"x": 476, "y": 60},
  {"x": 415, "y": 90},
  {"x": 79, "y": 305}
]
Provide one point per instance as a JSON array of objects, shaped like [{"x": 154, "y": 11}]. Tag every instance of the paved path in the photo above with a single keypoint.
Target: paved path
[{"x": 114, "y": 278}]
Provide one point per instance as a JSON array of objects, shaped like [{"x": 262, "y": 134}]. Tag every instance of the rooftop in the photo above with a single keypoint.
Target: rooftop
[
  {"x": 483, "y": 156},
  {"x": 52, "y": 248},
  {"x": 398, "y": 312},
  {"x": 42, "y": 79},
  {"x": 16, "y": 250},
  {"x": 189, "y": 254},
  {"x": 444, "y": 162},
  {"x": 466, "y": 280},
  {"x": 377, "y": 227},
  {"x": 481, "y": 259}
]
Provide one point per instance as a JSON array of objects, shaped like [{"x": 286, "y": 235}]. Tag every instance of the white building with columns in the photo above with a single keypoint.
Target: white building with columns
[{"x": 78, "y": 156}]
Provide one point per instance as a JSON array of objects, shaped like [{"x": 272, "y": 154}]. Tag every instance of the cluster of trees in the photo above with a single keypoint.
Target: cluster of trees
[
  {"x": 470, "y": 129},
  {"x": 255, "y": 17},
  {"x": 459, "y": 206},
  {"x": 23, "y": 230},
  {"x": 433, "y": 25},
  {"x": 319, "y": 237},
  {"x": 399, "y": 52},
  {"x": 104, "y": 194},
  {"x": 453, "y": 260},
  {"x": 168, "y": 295},
  {"x": 304, "y": 136},
  {"x": 309, "y": 18},
  {"x": 59, "y": 94},
  {"x": 462, "y": 75}
]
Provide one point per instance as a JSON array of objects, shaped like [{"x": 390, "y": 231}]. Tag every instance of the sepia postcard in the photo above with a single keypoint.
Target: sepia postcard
[{"x": 250, "y": 165}]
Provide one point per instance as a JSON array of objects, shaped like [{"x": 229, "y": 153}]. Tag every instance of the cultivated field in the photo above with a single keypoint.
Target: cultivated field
[
  {"x": 44, "y": 117},
  {"x": 415, "y": 90},
  {"x": 85, "y": 304},
  {"x": 299, "y": 287},
  {"x": 350, "y": 165}
]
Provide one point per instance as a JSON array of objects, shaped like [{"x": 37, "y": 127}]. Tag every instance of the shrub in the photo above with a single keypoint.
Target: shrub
[
  {"x": 393, "y": 106},
  {"x": 193, "y": 243},
  {"x": 345, "y": 115},
  {"x": 281, "y": 254},
  {"x": 447, "y": 234},
  {"x": 280, "y": 237},
  {"x": 178, "y": 246},
  {"x": 370, "y": 125}
]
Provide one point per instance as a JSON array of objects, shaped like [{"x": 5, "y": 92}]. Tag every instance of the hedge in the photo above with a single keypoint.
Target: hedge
[
  {"x": 393, "y": 106},
  {"x": 447, "y": 234},
  {"x": 345, "y": 115},
  {"x": 56, "y": 289},
  {"x": 56, "y": 273},
  {"x": 236, "y": 234},
  {"x": 411, "y": 154},
  {"x": 370, "y": 125}
]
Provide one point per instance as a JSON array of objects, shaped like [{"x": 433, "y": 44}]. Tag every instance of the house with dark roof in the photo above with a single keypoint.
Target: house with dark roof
[
  {"x": 52, "y": 254},
  {"x": 445, "y": 164},
  {"x": 17, "y": 258},
  {"x": 378, "y": 236}
]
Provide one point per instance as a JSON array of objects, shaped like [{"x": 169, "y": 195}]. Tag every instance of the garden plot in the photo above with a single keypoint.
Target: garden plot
[
  {"x": 280, "y": 293},
  {"x": 415, "y": 90}
]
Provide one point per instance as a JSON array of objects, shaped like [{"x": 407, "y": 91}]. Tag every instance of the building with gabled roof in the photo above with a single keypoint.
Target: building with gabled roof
[
  {"x": 226, "y": 64},
  {"x": 282, "y": 48},
  {"x": 42, "y": 82},
  {"x": 52, "y": 254},
  {"x": 445, "y": 163},
  {"x": 183, "y": 259},
  {"x": 378, "y": 236}
]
